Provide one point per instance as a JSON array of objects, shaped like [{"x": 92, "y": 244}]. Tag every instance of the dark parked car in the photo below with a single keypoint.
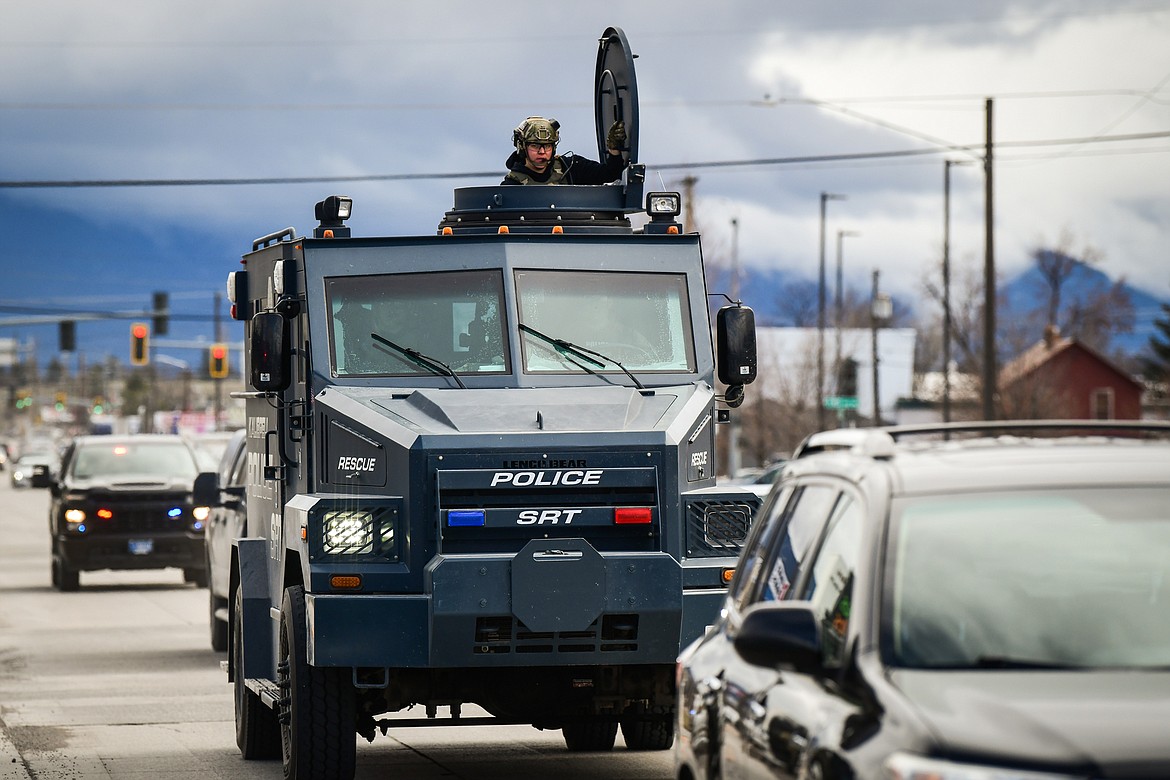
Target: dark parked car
[
  {"x": 991, "y": 602},
  {"x": 223, "y": 491},
  {"x": 124, "y": 502}
]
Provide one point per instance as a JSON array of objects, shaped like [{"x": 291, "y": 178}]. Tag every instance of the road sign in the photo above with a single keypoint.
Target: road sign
[{"x": 841, "y": 402}]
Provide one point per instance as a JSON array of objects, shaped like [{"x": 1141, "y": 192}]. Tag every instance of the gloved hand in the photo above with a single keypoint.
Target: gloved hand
[{"x": 615, "y": 139}]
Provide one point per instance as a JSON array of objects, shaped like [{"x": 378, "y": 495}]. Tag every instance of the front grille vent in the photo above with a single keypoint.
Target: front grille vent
[{"x": 505, "y": 634}]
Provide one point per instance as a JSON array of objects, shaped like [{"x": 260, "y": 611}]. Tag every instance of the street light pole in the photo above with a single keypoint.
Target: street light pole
[
  {"x": 733, "y": 457},
  {"x": 825, "y": 197},
  {"x": 881, "y": 309},
  {"x": 839, "y": 306}
]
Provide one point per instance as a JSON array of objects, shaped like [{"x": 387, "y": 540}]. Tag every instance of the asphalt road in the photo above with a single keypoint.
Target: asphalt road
[{"x": 118, "y": 680}]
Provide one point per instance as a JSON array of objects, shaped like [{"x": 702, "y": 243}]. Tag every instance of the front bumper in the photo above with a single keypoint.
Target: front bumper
[
  {"x": 500, "y": 610},
  {"x": 133, "y": 551}
]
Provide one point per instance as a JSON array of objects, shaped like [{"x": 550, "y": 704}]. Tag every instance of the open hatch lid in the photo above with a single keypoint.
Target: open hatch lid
[{"x": 615, "y": 91}]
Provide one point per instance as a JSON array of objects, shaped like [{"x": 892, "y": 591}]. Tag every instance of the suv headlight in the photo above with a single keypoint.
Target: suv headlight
[{"x": 904, "y": 766}]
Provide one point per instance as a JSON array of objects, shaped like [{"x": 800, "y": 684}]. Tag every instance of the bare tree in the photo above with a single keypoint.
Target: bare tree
[
  {"x": 779, "y": 412},
  {"x": 1056, "y": 266},
  {"x": 797, "y": 303},
  {"x": 1094, "y": 316}
]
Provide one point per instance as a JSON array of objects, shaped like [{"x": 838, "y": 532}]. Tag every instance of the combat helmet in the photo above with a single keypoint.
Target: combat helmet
[{"x": 536, "y": 130}]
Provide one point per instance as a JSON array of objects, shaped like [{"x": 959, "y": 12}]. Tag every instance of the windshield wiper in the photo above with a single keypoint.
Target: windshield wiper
[
  {"x": 433, "y": 365},
  {"x": 582, "y": 353}
]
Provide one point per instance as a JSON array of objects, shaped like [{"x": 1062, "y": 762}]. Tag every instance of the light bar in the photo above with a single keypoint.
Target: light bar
[
  {"x": 466, "y": 518},
  {"x": 632, "y": 515}
]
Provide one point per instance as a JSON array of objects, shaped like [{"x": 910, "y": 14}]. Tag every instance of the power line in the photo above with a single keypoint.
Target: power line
[
  {"x": 766, "y": 161},
  {"x": 767, "y": 101}
]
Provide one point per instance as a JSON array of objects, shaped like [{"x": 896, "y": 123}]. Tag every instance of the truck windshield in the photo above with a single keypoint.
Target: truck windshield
[
  {"x": 641, "y": 320},
  {"x": 455, "y": 317}
]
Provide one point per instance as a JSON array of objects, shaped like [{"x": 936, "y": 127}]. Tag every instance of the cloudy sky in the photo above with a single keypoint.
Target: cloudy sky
[{"x": 264, "y": 89}]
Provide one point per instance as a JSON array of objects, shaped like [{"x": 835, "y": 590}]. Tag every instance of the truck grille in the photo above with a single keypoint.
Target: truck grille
[
  {"x": 138, "y": 514},
  {"x": 504, "y": 634},
  {"x": 510, "y": 507}
]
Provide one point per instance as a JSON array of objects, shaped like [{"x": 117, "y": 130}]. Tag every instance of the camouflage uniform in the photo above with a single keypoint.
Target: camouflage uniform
[{"x": 562, "y": 169}]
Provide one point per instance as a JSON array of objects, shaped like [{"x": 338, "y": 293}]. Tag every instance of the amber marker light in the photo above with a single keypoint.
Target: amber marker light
[
  {"x": 727, "y": 576},
  {"x": 345, "y": 582}
]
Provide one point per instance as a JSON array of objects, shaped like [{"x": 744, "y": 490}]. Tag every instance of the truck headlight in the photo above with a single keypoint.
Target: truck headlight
[
  {"x": 74, "y": 516},
  {"x": 348, "y": 532}
]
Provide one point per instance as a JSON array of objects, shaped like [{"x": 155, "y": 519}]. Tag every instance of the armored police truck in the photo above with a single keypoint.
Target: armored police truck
[{"x": 480, "y": 466}]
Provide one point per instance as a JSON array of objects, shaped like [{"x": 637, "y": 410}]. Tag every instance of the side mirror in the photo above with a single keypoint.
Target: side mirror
[
  {"x": 736, "y": 337},
  {"x": 42, "y": 480},
  {"x": 269, "y": 352},
  {"x": 206, "y": 490},
  {"x": 781, "y": 634}
]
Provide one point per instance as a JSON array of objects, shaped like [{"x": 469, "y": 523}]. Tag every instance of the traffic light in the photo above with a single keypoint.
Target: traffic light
[
  {"x": 162, "y": 313},
  {"x": 139, "y": 344},
  {"x": 67, "y": 335},
  {"x": 847, "y": 379},
  {"x": 217, "y": 361}
]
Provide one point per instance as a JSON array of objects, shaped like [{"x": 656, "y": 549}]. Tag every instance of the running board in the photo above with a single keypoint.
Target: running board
[{"x": 267, "y": 690}]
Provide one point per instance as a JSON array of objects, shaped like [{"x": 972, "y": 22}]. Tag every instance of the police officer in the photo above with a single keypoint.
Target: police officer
[{"x": 536, "y": 161}]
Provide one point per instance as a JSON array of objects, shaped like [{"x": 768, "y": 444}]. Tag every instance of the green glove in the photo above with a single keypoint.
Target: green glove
[{"x": 616, "y": 137}]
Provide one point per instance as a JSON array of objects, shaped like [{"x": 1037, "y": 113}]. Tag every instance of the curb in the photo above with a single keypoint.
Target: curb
[{"x": 13, "y": 767}]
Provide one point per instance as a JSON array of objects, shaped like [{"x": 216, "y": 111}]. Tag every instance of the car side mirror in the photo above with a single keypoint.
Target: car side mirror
[
  {"x": 781, "y": 634},
  {"x": 736, "y": 336},
  {"x": 206, "y": 490},
  {"x": 269, "y": 352}
]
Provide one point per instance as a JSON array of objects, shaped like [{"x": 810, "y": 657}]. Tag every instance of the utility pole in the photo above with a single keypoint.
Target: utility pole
[
  {"x": 948, "y": 326},
  {"x": 989, "y": 367},
  {"x": 880, "y": 311},
  {"x": 688, "y": 185}
]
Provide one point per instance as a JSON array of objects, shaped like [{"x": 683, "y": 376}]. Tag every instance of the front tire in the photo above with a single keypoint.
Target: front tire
[
  {"x": 648, "y": 732},
  {"x": 65, "y": 578},
  {"x": 590, "y": 736},
  {"x": 257, "y": 729},
  {"x": 317, "y": 727}
]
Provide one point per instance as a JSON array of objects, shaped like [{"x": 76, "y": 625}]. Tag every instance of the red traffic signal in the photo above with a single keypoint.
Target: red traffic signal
[
  {"x": 217, "y": 361},
  {"x": 139, "y": 344}
]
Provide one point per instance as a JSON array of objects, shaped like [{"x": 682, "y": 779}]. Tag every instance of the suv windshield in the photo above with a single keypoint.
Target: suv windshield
[
  {"x": 640, "y": 320},
  {"x": 1076, "y": 578},
  {"x": 453, "y": 317},
  {"x": 138, "y": 459}
]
